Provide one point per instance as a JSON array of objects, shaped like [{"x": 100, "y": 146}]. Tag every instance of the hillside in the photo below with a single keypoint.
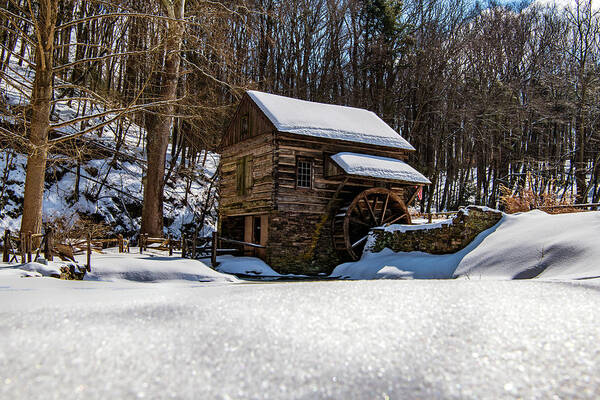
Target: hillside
[{"x": 111, "y": 163}]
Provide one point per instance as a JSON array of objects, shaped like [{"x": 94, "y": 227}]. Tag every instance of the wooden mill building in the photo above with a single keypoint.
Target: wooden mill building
[{"x": 308, "y": 181}]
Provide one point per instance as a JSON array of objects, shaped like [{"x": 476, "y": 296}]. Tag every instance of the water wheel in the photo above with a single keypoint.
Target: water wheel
[{"x": 371, "y": 208}]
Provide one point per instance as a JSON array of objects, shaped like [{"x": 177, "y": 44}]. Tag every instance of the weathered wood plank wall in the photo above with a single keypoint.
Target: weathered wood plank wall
[{"x": 258, "y": 145}]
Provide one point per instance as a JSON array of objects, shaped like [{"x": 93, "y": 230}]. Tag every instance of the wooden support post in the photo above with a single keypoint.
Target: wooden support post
[
  {"x": 121, "y": 244},
  {"x": 170, "y": 245},
  {"x": 5, "y": 251},
  {"x": 183, "y": 245},
  {"x": 28, "y": 246},
  {"x": 22, "y": 249},
  {"x": 214, "y": 247},
  {"x": 194, "y": 246},
  {"x": 141, "y": 242},
  {"x": 49, "y": 247},
  {"x": 89, "y": 252}
]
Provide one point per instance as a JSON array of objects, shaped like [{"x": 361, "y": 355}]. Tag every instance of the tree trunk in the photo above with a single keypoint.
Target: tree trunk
[
  {"x": 159, "y": 126},
  {"x": 579, "y": 156},
  {"x": 40, "y": 119}
]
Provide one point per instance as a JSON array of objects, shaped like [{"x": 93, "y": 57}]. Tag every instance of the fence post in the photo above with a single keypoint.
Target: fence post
[
  {"x": 194, "y": 246},
  {"x": 213, "y": 253},
  {"x": 5, "y": 256},
  {"x": 22, "y": 237},
  {"x": 29, "y": 245},
  {"x": 49, "y": 247},
  {"x": 89, "y": 252},
  {"x": 170, "y": 244},
  {"x": 121, "y": 246},
  {"x": 183, "y": 245}
]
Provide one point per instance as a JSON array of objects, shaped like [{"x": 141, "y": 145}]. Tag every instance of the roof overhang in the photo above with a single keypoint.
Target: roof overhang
[{"x": 376, "y": 167}]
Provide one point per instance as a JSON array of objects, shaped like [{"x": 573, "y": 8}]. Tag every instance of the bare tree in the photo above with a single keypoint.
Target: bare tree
[{"x": 160, "y": 122}]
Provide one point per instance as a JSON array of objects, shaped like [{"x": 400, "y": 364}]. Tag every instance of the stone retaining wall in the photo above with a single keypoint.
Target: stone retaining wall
[{"x": 442, "y": 238}]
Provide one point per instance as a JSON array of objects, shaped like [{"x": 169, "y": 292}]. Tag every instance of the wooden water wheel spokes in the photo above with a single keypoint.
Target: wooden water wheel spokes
[{"x": 371, "y": 208}]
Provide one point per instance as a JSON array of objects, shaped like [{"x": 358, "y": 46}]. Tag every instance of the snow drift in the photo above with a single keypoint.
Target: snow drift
[
  {"x": 521, "y": 246},
  {"x": 249, "y": 266},
  {"x": 538, "y": 245},
  {"x": 112, "y": 266},
  {"x": 150, "y": 267}
]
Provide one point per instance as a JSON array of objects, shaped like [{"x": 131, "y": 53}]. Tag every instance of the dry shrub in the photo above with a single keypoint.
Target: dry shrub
[
  {"x": 70, "y": 228},
  {"x": 526, "y": 199}
]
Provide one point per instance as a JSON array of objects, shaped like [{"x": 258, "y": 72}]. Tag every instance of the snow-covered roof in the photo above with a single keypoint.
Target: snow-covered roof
[
  {"x": 327, "y": 121},
  {"x": 379, "y": 167}
]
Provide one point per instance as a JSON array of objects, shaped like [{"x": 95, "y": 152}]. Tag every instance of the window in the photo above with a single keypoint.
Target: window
[
  {"x": 243, "y": 175},
  {"x": 304, "y": 174},
  {"x": 244, "y": 126}
]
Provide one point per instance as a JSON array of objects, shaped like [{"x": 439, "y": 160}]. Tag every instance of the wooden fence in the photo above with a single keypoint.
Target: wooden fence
[
  {"x": 192, "y": 247},
  {"x": 449, "y": 214},
  {"x": 164, "y": 244},
  {"x": 30, "y": 246},
  {"x": 437, "y": 215},
  {"x": 587, "y": 206}
]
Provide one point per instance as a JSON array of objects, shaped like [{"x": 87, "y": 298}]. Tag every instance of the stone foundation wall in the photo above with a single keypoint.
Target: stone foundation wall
[
  {"x": 446, "y": 239},
  {"x": 300, "y": 243}
]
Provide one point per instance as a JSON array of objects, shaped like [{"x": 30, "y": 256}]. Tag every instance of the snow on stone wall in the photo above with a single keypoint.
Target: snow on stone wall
[{"x": 439, "y": 238}]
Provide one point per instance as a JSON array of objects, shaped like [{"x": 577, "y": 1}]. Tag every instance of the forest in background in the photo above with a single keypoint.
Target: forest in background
[{"x": 488, "y": 94}]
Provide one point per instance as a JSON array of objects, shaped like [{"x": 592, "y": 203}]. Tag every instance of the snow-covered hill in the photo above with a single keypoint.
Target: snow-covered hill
[{"x": 110, "y": 187}]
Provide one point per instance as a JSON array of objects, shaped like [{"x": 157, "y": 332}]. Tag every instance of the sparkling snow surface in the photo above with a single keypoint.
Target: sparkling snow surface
[
  {"x": 378, "y": 167},
  {"x": 342, "y": 340},
  {"x": 327, "y": 121}
]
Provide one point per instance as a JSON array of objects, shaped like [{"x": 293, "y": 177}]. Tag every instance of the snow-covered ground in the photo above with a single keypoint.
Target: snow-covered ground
[
  {"x": 248, "y": 266},
  {"x": 150, "y": 267},
  {"x": 111, "y": 266},
  {"x": 341, "y": 340},
  {"x": 153, "y": 326},
  {"x": 521, "y": 246}
]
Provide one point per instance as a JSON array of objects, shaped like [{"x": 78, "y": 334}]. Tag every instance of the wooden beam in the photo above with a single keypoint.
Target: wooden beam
[
  {"x": 370, "y": 209},
  {"x": 395, "y": 219},
  {"x": 387, "y": 198}
]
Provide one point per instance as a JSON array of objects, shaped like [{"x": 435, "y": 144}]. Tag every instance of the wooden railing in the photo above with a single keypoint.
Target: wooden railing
[
  {"x": 30, "y": 246},
  {"x": 163, "y": 244},
  {"x": 430, "y": 216},
  {"x": 594, "y": 206},
  {"x": 209, "y": 246}
]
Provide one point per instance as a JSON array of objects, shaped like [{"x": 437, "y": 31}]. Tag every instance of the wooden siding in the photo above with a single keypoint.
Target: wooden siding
[
  {"x": 258, "y": 196},
  {"x": 316, "y": 199},
  {"x": 258, "y": 123}
]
